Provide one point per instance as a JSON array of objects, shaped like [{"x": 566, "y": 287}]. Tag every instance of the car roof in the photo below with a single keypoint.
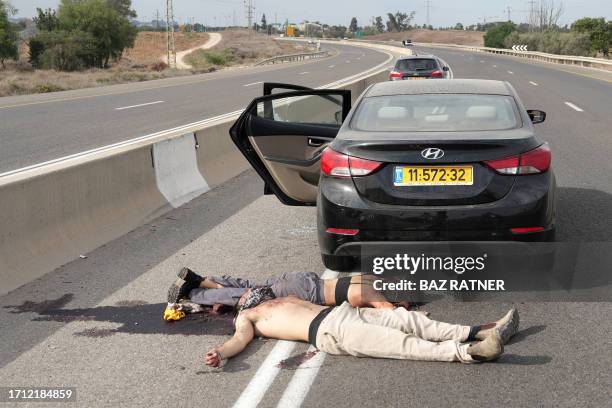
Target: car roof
[
  {"x": 440, "y": 86},
  {"x": 417, "y": 56}
]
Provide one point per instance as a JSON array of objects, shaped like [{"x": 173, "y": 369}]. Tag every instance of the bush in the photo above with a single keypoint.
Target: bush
[
  {"x": 495, "y": 36},
  {"x": 63, "y": 50},
  {"x": 219, "y": 57},
  {"x": 552, "y": 42}
]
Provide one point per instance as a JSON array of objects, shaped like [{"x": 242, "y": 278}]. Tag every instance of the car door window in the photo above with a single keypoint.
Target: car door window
[{"x": 305, "y": 109}]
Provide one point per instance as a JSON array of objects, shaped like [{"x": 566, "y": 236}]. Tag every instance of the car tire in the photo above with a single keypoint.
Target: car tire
[{"x": 338, "y": 263}]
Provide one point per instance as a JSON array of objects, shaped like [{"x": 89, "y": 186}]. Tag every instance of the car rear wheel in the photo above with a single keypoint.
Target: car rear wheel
[{"x": 338, "y": 263}]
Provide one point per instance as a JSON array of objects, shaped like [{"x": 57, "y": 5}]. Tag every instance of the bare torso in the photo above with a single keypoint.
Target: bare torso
[{"x": 285, "y": 318}]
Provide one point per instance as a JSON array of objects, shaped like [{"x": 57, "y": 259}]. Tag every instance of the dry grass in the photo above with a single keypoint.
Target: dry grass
[
  {"x": 151, "y": 46},
  {"x": 435, "y": 36},
  {"x": 141, "y": 63},
  {"x": 241, "y": 47}
]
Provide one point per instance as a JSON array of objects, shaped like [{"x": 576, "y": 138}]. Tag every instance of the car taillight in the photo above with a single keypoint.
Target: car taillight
[
  {"x": 437, "y": 74},
  {"x": 395, "y": 75},
  {"x": 533, "y": 162},
  {"x": 336, "y": 164},
  {"x": 526, "y": 230},
  {"x": 342, "y": 231}
]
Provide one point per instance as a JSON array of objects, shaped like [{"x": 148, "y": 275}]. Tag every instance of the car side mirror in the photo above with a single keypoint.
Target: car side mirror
[
  {"x": 445, "y": 69},
  {"x": 536, "y": 116}
]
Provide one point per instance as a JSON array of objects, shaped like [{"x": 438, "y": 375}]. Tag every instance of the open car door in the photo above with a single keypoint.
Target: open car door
[{"x": 282, "y": 135}]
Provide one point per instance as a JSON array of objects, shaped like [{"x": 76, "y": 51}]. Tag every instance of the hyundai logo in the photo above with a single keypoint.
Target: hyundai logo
[{"x": 432, "y": 153}]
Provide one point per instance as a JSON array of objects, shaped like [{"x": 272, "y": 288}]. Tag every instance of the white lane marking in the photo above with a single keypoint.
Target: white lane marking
[
  {"x": 253, "y": 83},
  {"x": 574, "y": 107},
  {"x": 303, "y": 73},
  {"x": 494, "y": 66},
  {"x": 510, "y": 72},
  {"x": 348, "y": 62},
  {"x": 482, "y": 61},
  {"x": 302, "y": 380},
  {"x": 533, "y": 83},
  {"x": 139, "y": 105},
  {"x": 265, "y": 375},
  {"x": 331, "y": 66}
]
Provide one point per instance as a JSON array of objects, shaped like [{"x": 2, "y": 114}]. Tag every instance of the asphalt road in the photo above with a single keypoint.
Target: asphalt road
[
  {"x": 38, "y": 128},
  {"x": 96, "y": 323}
]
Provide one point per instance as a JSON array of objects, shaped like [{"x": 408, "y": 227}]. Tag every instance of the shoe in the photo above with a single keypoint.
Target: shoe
[
  {"x": 507, "y": 326},
  {"x": 185, "y": 282},
  {"x": 488, "y": 349}
]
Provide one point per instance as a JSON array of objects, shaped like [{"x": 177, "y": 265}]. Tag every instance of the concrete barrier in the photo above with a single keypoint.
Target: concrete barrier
[{"x": 52, "y": 213}]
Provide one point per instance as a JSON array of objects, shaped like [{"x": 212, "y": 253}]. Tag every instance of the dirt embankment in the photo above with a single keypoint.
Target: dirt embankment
[
  {"x": 240, "y": 47},
  {"x": 435, "y": 36},
  {"x": 150, "y": 46}
]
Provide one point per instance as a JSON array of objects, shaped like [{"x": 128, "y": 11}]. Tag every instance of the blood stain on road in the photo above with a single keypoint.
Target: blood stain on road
[{"x": 294, "y": 362}]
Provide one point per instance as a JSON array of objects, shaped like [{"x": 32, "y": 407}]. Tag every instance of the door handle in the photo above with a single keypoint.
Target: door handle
[{"x": 315, "y": 142}]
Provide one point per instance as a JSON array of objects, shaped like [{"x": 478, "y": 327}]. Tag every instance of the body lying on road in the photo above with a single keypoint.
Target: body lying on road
[
  {"x": 363, "y": 332},
  {"x": 226, "y": 290}
]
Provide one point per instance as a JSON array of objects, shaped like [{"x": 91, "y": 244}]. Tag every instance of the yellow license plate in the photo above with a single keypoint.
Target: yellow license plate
[
  {"x": 433, "y": 176},
  {"x": 418, "y": 78}
]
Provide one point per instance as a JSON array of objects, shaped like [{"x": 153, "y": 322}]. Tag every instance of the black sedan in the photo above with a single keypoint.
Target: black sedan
[{"x": 411, "y": 161}]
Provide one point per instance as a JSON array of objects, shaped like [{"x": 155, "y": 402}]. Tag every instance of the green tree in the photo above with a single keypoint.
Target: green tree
[
  {"x": 392, "y": 23},
  {"x": 264, "y": 22},
  {"x": 458, "y": 26},
  {"x": 123, "y": 7},
  {"x": 8, "y": 35},
  {"x": 399, "y": 21},
  {"x": 111, "y": 30},
  {"x": 46, "y": 20},
  {"x": 599, "y": 31},
  {"x": 378, "y": 23},
  {"x": 495, "y": 36},
  {"x": 403, "y": 20},
  {"x": 354, "y": 27}
]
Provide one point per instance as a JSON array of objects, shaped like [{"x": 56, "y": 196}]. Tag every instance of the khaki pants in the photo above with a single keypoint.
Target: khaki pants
[{"x": 391, "y": 333}]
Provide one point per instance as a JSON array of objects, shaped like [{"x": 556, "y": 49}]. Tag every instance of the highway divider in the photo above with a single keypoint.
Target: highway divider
[
  {"x": 281, "y": 59},
  {"x": 54, "y": 212}
]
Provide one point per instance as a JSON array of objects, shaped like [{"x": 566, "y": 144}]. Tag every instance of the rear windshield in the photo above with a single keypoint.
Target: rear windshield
[
  {"x": 436, "y": 113},
  {"x": 416, "y": 64}
]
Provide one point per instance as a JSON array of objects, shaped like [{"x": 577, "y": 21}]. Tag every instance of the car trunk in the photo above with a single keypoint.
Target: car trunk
[
  {"x": 487, "y": 185},
  {"x": 417, "y": 68}
]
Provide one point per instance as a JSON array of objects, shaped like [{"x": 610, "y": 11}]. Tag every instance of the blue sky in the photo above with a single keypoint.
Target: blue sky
[{"x": 442, "y": 13}]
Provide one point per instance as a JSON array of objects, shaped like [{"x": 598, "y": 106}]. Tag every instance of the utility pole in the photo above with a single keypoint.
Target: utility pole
[
  {"x": 427, "y": 7},
  {"x": 508, "y": 10},
  {"x": 532, "y": 12},
  {"x": 249, "y": 13},
  {"x": 171, "y": 46}
]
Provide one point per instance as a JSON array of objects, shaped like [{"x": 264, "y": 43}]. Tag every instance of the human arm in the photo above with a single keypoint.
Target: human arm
[{"x": 242, "y": 337}]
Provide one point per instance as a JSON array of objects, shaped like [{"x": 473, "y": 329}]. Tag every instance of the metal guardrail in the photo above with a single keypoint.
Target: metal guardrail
[
  {"x": 293, "y": 57},
  {"x": 590, "y": 62}
]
